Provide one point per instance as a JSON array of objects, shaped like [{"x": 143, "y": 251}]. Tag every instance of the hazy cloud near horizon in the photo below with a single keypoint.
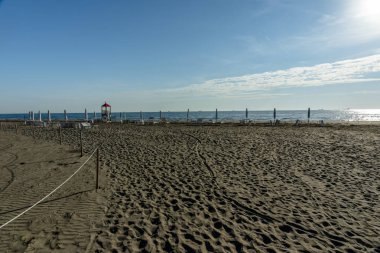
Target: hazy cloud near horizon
[{"x": 357, "y": 70}]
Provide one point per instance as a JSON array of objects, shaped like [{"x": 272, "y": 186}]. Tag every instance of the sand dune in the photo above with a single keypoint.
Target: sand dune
[{"x": 196, "y": 189}]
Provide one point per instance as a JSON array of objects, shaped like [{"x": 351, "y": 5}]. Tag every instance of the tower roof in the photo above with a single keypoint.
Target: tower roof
[{"x": 106, "y": 105}]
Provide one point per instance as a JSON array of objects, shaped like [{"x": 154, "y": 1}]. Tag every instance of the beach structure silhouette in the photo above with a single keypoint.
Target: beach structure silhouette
[{"x": 106, "y": 112}]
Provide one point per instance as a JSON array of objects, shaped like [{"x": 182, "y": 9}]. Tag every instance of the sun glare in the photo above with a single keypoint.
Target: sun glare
[{"x": 368, "y": 10}]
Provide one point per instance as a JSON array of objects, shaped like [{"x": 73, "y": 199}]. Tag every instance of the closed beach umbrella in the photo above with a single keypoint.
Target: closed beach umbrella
[
  {"x": 274, "y": 113},
  {"x": 308, "y": 114},
  {"x": 141, "y": 116},
  {"x": 160, "y": 115},
  {"x": 246, "y": 113},
  {"x": 39, "y": 116},
  {"x": 85, "y": 115},
  {"x": 49, "y": 116},
  {"x": 94, "y": 115},
  {"x": 216, "y": 114},
  {"x": 65, "y": 115},
  {"x": 187, "y": 115},
  {"x": 32, "y": 115},
  {"x": 121, "y": 118}
]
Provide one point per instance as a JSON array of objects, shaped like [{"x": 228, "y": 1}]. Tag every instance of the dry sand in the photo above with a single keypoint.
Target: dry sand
[{"x": 194, "y": 189}]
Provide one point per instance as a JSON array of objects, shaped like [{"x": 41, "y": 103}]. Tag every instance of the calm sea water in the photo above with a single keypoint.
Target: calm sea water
[{"x": 285, "y": 115}]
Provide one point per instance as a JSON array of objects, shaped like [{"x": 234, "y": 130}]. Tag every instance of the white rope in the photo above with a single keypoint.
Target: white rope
[{"x": 38, "y": 202}]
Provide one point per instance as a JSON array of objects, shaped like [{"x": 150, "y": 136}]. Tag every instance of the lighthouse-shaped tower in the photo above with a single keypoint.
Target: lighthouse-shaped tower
[{"x": 106, "y": 112}]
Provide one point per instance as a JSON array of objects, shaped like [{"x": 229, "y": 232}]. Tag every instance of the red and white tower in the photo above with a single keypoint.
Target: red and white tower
[{"x": 106, "y": 112}]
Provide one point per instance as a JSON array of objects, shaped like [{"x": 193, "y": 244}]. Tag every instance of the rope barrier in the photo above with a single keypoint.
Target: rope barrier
[{"x": 38, "y": 202}]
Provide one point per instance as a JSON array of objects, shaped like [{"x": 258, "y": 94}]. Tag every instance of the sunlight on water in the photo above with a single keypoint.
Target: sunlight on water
[{"x": 364, "y": 114}]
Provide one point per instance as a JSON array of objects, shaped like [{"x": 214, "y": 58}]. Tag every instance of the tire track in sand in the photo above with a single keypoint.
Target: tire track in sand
[
  {"x": 6, "y": 166},
  {"x": 234, "y": 202},
  {"x": 265, "y": 218}
]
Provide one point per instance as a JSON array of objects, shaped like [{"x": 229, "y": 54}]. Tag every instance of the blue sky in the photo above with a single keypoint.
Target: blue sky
[{"x": 199, "y": 54}]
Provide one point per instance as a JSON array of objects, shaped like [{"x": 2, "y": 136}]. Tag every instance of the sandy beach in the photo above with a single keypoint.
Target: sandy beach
[{"x": 177, "y": 188}]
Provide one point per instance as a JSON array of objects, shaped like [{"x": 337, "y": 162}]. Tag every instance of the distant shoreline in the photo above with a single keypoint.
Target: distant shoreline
[{"x": 210, "y": 116}]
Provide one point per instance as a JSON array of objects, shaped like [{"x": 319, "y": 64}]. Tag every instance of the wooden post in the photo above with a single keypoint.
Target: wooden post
[
  {"x": 60, "y": 135},
  {"x": 81, "y": 144},
  {"x": 97, "y": 169}
]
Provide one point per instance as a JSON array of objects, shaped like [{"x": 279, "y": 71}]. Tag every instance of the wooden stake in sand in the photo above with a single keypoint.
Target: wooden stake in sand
[
  {"x": 81, "y": 143},
  {"x": 60, "y": 135},
  {"x": 246, "y": 113},
  {"x": 160, "y": 115},
  {"x": 308, "y": 115},
  {"x": 216, "y": 114},
  {"x": 97, "y": 170}
]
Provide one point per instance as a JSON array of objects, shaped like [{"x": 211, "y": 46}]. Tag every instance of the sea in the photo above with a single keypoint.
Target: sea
[{"x": 349, "y": 115}]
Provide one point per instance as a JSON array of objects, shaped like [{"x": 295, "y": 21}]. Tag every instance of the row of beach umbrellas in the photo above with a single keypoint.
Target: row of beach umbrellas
[
  {"x": 246, "y": 113},
  {"x": 31, "y": 115},
  {"x": 216, "y": 114}
]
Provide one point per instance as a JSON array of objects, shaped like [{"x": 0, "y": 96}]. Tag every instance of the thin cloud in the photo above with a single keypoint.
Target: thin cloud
[
  {"x": 367, "y": 92},
  {"x": 350, "y": 27},
  {"x": 347, "y": 27},
  {"x": 341, "y": 72}
]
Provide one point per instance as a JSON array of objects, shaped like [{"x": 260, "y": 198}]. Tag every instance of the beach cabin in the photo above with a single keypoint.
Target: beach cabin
[
  {"x": 85, "y": 125},
  {"x": 106, "y": 112}
]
